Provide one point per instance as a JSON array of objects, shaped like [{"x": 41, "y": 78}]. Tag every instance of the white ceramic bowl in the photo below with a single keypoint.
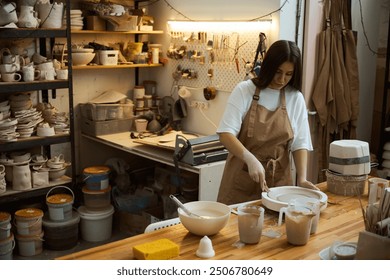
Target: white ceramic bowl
[
  {"x": 216, "y": 217},
  {"x": 55, "y": 174},
  {"x": 279, "y": 197},
  {"x": 79, "y": 59}
]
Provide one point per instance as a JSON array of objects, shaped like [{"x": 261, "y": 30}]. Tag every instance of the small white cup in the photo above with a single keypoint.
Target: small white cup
[
  {"x": 141, "y": 125},
  {"x": 62, "y": 74}
]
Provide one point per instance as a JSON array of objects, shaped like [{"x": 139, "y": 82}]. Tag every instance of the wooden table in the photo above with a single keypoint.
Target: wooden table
[{"x": 341, "y": 221}]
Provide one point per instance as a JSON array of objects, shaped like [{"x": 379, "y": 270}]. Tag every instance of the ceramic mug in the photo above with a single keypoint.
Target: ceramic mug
[
  {"x": 48, "y": 75},
  {"x": 8, "y": 68},
  {"x": 30, "y": 74},
  {"x": 16, "y": 59},
  {"x": 11, "y": 77},
  {"x": 62, "y": 74}
]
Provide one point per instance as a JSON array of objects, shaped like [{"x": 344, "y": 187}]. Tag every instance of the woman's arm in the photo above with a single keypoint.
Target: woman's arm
[
  {"x": 300, "y": 160},
  {"x": 255, "y": 168}
]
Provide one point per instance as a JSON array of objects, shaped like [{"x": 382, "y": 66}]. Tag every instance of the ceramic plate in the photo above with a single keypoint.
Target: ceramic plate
[{"x": 279, "y": 197}]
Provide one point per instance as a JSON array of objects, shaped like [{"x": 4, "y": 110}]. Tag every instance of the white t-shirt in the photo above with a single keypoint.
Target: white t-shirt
[{"x": 239, "y": 103}]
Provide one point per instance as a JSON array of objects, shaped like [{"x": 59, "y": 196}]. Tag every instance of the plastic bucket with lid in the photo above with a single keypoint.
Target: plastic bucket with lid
[
  {"x": 96, "y": 226},
  {"x": 97, "y": 200},
  {"x": 30, "y": 245},
  {"x": 7, "y": 245},
  {"x": 96, "y": 177},
  {"x": 28, "y": 221},
  {"x": 5, "y": 225},
  {"x": 60, "y": 205},
  {"x": 61, "y": 235}
]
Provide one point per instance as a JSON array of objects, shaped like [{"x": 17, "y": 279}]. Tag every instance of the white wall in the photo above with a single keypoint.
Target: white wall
[{"x": 215, "y": 10}]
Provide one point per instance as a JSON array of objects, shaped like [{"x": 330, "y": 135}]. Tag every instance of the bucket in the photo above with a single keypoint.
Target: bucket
[
  {"x": 30, "y": 245},
  {"x": 97, "y": 200},
  {"x": 96, "y": 177},
  {"x": 28, "y": 221},
  {"x": 6, "y": 247},
  {"x": 60, "y": 205},
  {"x": 96, "y": 226},
  {"x": 61, "y": 235},
  {"x": 5, "y": 225},
  {"x": 346, "y": 185}
]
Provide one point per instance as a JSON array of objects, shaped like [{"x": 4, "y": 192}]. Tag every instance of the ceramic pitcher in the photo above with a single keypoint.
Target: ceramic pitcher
[
  {"x": 28, "y": 17},
  {"x": 8, "y": 13}
]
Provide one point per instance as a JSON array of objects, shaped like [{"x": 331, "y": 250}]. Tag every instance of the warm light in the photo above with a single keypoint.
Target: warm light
[{"x": 219, "y": 26}]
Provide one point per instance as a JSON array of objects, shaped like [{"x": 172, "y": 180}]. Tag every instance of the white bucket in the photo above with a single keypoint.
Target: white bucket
[
  {"x": 30, "y": 245},
  {"x": 6, "y": 247},
  {"x": 5, "y": 225},
  {"x": 60, "y": 205},
  {"x": 96, "y": 226}
]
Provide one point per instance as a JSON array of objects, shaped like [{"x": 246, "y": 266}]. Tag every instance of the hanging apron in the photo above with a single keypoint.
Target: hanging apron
[{"x": 266, "y": 134}]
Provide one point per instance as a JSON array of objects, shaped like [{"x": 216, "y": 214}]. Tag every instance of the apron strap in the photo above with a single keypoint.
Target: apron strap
[
  {"x": 282, "y": 99},
  {"x": 252, "y": 112}
]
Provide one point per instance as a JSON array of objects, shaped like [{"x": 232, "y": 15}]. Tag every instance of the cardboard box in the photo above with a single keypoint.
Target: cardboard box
[
  {"x": 96, "y": 23},
  {"x": 96, "y": 128},
  {"x": 136, "y": 223},
  {"x": 128, "y": 23}
]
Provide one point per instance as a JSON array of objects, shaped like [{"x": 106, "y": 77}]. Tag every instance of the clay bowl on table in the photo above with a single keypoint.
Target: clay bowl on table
[{"x": 214, "y": 217}]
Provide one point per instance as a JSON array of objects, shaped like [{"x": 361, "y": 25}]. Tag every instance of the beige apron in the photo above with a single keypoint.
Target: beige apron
[{"x": 266, "y": 134}]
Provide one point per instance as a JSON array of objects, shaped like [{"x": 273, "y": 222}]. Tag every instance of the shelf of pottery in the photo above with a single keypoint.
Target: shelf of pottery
[{"x": 29, "y": 124}]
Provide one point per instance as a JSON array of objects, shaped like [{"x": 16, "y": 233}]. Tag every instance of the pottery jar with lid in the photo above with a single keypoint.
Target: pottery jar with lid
[{"x": 28, "y": 221}]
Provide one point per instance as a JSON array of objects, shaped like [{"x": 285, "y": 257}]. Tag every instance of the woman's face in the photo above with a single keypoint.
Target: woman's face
[{"x": 282, "y": 76}]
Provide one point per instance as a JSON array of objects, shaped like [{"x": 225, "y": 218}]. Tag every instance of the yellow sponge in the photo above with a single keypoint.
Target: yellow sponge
[{"x": 161, "y": 249}]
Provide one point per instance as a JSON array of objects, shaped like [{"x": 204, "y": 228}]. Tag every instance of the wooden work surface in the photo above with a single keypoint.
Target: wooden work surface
[{"x": 341, "y": 221}]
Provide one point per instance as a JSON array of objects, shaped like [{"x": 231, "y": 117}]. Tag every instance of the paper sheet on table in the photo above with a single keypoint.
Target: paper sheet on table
[{"x": 167, "y": 141}]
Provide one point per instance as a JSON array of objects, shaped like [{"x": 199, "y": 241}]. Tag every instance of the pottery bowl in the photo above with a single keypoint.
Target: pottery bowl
[
  {"x": 55, "y": 174},
  {"x": 82, "y": 58},
  {"x": 215, "y": 216}
]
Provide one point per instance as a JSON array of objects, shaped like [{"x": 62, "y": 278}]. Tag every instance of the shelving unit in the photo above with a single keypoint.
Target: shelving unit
[
  {"x": 44, "y": 38},
  {"x": 385, "y": 118}
]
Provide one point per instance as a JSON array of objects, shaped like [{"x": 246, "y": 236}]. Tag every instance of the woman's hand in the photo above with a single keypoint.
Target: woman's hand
[
  {"x": 255, "y": 169},
  {"x": 308, "y": 185}
]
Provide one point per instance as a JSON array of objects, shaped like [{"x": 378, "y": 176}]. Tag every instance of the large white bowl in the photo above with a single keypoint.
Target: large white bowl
[
  {"x": 80, "y": 59},
  {"x": 216, "y": 217}
]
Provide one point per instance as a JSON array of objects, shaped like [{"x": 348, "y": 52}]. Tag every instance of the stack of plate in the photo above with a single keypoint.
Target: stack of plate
[
  {"x": 8, "y": 130},
  {"x": 28, "y": 120},
  {"x": 76, "y": 20},
  {"x": 5, "y": 111}
]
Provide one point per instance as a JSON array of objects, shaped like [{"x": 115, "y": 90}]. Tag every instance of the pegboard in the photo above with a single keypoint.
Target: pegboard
[{"x": 225, "y": 75}]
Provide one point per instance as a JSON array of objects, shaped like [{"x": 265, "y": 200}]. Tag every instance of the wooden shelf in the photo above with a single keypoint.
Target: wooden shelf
[
  {"x": 117, "y": 32},
  {"x": 15, "y": 195},
  {"x": 30, "y": 86},
  {"x": 123, "y": 66},
  {"x": 33, "y": 141},
  {"x": 32, "y": 32}
]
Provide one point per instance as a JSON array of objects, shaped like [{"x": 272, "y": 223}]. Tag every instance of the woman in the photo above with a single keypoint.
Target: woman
[{"x": 265, "y": 119}]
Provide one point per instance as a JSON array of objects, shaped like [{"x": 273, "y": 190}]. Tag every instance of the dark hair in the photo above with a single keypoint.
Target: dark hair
[{"x": 278, "y": 53}]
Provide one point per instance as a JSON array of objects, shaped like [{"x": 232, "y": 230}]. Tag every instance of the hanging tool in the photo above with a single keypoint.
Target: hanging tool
[
  {"x": 261, "y": 49},
  {"x": 236, "y": 49}
]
